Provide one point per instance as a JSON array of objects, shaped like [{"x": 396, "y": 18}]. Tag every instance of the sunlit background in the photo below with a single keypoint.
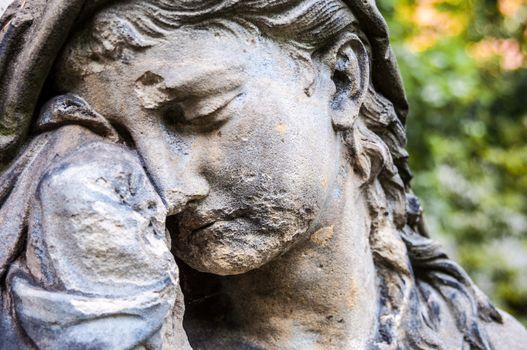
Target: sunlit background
[{"x": 464, "y": 65}]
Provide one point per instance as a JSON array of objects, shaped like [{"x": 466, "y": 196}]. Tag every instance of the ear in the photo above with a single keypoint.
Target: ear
[{"x": 349, "y": 65}]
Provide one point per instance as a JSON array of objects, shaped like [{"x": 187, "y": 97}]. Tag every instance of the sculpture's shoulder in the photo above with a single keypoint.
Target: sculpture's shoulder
[{"x": 508, "y": 335}]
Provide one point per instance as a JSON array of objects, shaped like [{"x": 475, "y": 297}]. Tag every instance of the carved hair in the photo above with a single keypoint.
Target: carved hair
[{"x": 415, "y": 276}]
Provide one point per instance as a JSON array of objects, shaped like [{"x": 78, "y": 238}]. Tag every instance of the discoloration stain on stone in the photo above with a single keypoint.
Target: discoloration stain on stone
[
  {"x": 324, "y": 181},
  {"x": 322, "y": 236},
  {"x": 281, "y": 128},
  {"x": 351, "y": 295}
]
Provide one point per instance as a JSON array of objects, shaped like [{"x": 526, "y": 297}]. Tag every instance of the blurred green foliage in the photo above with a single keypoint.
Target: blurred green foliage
[{"x": 464, "y": 64}]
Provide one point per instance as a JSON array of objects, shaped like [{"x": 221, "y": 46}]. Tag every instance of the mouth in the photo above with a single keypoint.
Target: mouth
[
  {"x": 190, "y": 223},
  {"x": 194, "y": 222},
  {"x": 203, "y": 227}
]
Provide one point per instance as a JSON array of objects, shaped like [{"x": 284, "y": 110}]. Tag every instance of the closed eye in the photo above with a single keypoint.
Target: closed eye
[
  {"x": 201, "y": 114},
  {"x": 204, "y": 107}
]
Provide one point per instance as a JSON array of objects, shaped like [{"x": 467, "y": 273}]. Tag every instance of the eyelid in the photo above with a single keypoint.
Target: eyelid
[
  {"x": 199, "y": 108},
  {"x": 185, "y": 82},
  {"x": 166, "y": 86}
]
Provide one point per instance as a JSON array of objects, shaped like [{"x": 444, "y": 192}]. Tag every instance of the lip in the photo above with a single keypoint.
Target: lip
[
  {"x": 198, "y": 220},
  {"x": 190, "y": 224},
  {"x": 204, "y": 227},
  {"x": 185, "y": 233}
]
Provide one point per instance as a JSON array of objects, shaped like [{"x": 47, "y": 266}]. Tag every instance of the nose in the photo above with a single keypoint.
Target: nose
[
  {"x": 175, "y": 175},
  {"x": 178, "y": 190}
]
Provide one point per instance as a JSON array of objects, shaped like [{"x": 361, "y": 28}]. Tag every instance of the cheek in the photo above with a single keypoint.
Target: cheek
[{"x": 276, "y": 151}]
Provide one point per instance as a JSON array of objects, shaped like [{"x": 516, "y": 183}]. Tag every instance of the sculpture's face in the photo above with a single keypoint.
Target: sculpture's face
[{"x": 232, "y": 141}]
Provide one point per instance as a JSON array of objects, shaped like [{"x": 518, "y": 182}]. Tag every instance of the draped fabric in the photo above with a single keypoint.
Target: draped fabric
[{"x": 74, "y": 252}]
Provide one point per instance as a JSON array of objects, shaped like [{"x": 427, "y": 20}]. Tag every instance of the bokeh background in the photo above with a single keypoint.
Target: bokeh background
[{"x": 464, "y": 64}]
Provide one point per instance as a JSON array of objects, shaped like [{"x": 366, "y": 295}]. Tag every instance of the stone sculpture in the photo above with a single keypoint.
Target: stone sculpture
[{"x": 259, "y": 143}]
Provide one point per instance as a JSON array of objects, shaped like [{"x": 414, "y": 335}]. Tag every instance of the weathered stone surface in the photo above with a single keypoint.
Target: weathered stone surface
[{"x": 199, "y": 174}]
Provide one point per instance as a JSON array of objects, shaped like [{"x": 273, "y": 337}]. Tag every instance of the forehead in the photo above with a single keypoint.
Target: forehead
[{"x": 212, "y": 56}]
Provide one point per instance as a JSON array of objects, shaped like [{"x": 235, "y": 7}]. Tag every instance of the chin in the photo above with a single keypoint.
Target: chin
[
  {"x": 233, "y": 247},
  {"x": 226, "y": 260}
]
